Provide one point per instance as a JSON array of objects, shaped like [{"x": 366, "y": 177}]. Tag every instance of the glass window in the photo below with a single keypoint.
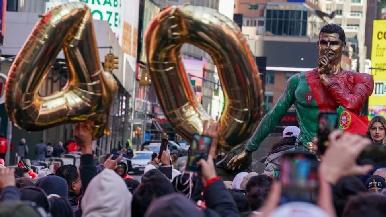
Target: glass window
[
  {"x": 298, "y": 15},
  {"x": 268, "y": 101},
  {"x": 269, "y": 77},
  {"x": 356, "y": 1},
  {"x": 304, "y": 27},
  {"x": 339, "y": 12},
  {"x": 280, "y": 27},
  {"x": 280, "y": 15},
  {"x": 268, "y": 26},
  {"x": 286, "y": 14},
  {"x": 269, "y": 14},
  {"x": 274, "y": 14},
  {"x": 12, "y": 5},
  {"x": 286, "y": 27}
]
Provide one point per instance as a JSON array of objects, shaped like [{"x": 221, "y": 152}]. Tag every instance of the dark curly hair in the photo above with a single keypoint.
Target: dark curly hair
[
  {"x": 334, "y": 28},
  {"x": 69, "y": 173}
]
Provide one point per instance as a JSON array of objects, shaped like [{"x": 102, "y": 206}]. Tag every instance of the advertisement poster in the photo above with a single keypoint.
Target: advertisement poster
[{"x": 377, "y": 101}]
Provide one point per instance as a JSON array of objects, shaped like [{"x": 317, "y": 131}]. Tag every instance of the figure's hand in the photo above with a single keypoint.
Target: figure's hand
[
  {"x": 208, "y": 170},
  {"x": 340, "y": 158},
  {"x": 212, "y": 130},
  {"x": 239, "y": 160},
  {"x": 7, "y": 177},
  {"x": 83, "y": 136},
  {"x": 323, "y": 64}
]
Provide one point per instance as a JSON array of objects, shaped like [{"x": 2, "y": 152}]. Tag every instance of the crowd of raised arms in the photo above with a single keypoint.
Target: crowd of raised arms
[{"x": 348, "y": 184}]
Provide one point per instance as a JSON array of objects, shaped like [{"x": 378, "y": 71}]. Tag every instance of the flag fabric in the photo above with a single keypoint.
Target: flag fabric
[{"x": 351, "y": 122}]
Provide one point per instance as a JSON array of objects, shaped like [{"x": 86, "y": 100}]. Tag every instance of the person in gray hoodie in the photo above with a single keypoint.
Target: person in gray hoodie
[{"x": 106, "y": 195}]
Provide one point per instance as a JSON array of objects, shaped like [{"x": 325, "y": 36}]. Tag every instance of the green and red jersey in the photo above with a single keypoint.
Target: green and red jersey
[{"x": 309, "y": 96}]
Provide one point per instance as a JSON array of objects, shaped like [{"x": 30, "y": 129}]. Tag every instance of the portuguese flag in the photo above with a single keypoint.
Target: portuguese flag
[{"x": 351, "y": 122}]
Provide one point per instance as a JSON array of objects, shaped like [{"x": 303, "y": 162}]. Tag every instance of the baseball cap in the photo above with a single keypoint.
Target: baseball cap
[{"x": 291, "y": 131}]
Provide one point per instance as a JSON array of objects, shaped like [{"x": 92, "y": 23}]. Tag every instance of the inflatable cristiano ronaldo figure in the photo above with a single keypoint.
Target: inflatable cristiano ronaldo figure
[{"x": 324, "y": 88}]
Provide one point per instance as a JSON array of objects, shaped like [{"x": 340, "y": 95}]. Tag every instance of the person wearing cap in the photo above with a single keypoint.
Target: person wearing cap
[
  {"x": 291, "y": 131},
  {"x": 287, "y": 143},
  {"x": 375, "y": 183}
]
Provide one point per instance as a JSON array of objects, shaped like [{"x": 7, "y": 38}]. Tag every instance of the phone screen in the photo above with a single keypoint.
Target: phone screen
[
  {"x": 299, "y": 177},
  {"x": 327, "y": 122},
  {"x": 198, "y": 150}
]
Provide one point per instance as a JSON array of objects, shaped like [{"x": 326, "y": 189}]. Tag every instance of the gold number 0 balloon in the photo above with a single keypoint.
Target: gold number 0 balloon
[
  {"x": 223, "y": 41},
  {"x": 88, "y": 93}
]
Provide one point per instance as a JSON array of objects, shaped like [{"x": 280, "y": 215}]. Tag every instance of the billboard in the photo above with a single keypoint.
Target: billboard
[
  {"x": 109, "y": 11},
  {"x": 377, "y": 101}
]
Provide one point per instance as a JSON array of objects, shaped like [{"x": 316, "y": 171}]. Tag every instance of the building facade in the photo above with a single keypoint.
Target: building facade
[
  {"x": 20, "y": 19},
  {"x": 351, "y": 16}
]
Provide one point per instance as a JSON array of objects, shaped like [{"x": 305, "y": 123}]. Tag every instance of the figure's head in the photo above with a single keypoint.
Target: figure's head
[
  {"x": 331, "y": 43},
  {"x": 377, "y": 129},
  {"x": 22, "y": 141}
]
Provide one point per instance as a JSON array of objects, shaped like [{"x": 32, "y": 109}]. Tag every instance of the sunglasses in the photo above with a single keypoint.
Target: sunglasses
[{"x": 329, "y": 43}]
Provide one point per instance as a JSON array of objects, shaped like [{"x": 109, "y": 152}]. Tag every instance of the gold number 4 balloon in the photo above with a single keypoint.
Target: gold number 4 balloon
[
  {"x": 89, "y": 91},
  {"x": 223, "y": 41}
]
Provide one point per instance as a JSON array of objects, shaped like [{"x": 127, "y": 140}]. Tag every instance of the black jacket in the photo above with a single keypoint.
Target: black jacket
[{"x": 219, "y": 201}]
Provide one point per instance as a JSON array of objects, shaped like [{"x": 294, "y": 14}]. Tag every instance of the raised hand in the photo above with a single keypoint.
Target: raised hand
[
  {"x": 340, "y": 158},
  {"x": 7, "y": 177},
  {"x": 212, "y": 129}
]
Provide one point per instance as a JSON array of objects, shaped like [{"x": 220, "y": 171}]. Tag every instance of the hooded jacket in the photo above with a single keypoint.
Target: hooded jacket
[
  {"x": 106, "y": 195},
  {"x": 54, "y": 185}
]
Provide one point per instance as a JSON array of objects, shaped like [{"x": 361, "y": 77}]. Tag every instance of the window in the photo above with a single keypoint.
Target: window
[
  {"x": 268, "y": 101},
  {"x": 356, "y": 13},
  {"x": 286, "y": 22},
  {"x": 253, "y": 6},
  {"x": 356, "y": 1},
  {"x": 12, "y": 5},
  {"x": 289, "y": 74},
  {"x": 269, "y": 77},
  {"x": 339, "y": 12}
]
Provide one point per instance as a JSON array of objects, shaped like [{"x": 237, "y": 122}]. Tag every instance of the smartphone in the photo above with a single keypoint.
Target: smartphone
[
  {"x": 198, "y": 150},
  {"x": 327, "y": 122},
  {"x": 163, "y": 147},
  {"x": 299, "y": 177}
]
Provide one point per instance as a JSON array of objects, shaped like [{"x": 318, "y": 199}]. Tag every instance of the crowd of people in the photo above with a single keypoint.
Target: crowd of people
[{"x": 347, "y": 187}]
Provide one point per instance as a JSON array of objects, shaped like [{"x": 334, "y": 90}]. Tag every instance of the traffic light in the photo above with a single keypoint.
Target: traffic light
[
  {"x": 111, "y": 62},
  {"x": 145, "y": 78}
]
